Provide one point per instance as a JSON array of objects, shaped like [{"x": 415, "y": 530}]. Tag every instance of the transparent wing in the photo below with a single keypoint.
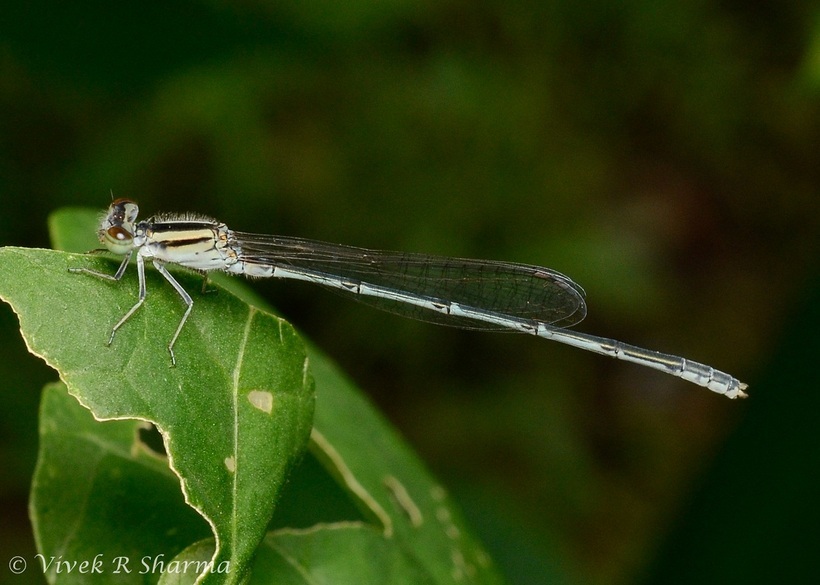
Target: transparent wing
[{"x": 520, "y": 291}]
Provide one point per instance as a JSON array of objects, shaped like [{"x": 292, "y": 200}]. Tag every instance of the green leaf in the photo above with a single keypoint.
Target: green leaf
[
  {"x": 337, "y": 553},
  {"x": 236, "y": 411},
  {"x": 87, "y": 481},
  {"x": 344, "y": 552},
  {"x": 360, "y": 488}
]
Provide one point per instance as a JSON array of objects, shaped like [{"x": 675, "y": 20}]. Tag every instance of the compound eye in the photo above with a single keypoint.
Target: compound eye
[{"x": 118, "y": 240}]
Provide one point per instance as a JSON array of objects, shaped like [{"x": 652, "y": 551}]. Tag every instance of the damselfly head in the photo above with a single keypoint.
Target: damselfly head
[{"x": 117, "y": 227}]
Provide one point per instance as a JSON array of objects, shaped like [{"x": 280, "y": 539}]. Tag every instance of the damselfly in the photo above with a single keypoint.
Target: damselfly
[{"x": 471, "y": 294}]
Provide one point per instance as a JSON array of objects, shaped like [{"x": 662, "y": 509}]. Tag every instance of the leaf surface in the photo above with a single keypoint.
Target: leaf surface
[
  {"x": 92, "y": 476},
  {"x": 235, "y": 412}
]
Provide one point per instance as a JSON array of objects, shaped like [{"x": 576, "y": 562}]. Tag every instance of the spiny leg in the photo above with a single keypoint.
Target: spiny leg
[
  {"x": 185, "y": 297},
  {"x": 116, "y": 277},
  {"x": 140, "y": 300}
]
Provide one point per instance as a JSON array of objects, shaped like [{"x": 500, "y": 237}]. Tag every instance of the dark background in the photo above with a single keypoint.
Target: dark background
[{"x": 662, "y": 153}]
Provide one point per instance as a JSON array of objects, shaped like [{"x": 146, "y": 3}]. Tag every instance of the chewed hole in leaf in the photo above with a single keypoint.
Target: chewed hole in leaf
[{"x": 150, "y": 440}]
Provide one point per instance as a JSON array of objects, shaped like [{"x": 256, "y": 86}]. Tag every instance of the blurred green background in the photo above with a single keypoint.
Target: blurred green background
[{"x": 662, "y": 153}]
